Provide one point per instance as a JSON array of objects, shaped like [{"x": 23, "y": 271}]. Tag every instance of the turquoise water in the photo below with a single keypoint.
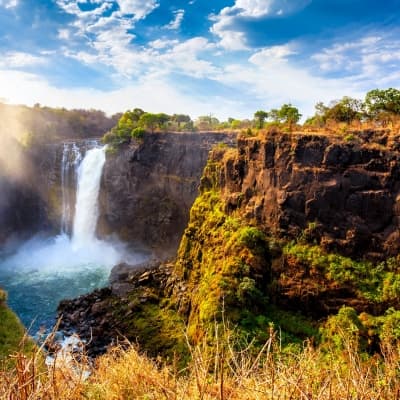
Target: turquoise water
[{"x": 45, "y": 271}]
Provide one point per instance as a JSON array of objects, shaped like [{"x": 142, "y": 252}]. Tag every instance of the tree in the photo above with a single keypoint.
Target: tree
[
  {"x": 260, "y": 116},
  {"x": 345, "y": 110},
  {"x": 149, "y": 121},
  {"x": 382, "y": 104},
  {"x": 136, "y": 113},
  {"x": 289, "y": 114},
  {"x": 162, "y": 119},
  {"x": 205, "y": 122},
  {"x": 181, "y": 119}
]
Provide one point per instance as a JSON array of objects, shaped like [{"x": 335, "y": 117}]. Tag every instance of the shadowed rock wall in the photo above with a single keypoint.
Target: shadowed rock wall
[{"x": 148, "y": 187}]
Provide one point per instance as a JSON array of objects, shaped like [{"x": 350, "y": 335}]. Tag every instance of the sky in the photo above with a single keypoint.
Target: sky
[{"x": 227, "y": 58}]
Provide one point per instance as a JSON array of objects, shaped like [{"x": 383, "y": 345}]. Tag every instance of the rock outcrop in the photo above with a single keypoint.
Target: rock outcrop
[
  {"x": 148, "y": 187},
  {"x": 343, "y": 194},
  {"x": 287, "y": 229}
]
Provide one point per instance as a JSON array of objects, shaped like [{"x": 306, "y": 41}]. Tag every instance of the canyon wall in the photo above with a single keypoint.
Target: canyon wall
[
  {"x": 149, "y": 186},
  {"x": 286, "y": 230},
  {"x": 343, "y": 194}
]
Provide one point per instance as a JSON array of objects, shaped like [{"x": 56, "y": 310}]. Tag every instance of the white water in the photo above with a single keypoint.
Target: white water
[
  {"x": 87, "y": 209},
  {"x": 71, "y": 158},
  {"x": 46, "y": 270}
]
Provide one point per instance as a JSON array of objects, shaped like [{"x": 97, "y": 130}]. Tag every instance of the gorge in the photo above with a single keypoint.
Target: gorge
[
  {"x": 287, "y": 229},
  {"x": 66, "y": 258},
  {"x": 46, "y": 269}
]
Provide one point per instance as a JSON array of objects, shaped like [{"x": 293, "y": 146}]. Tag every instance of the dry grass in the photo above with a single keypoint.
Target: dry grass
[{"x": 224, "y": 373}]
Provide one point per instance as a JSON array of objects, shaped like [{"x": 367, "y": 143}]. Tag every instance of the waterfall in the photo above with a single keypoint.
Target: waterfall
[
  {"x": 71, "y": 158},
  {"x": 86, "y": 208},
  {"x": 44, "y": 270}
]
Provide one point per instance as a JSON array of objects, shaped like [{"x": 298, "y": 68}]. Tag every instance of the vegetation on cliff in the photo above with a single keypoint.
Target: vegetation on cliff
[
  {"x": 225, "y": 264},
  {"x": 269, "y": 290},
  {"x": 12, "y": 333}
]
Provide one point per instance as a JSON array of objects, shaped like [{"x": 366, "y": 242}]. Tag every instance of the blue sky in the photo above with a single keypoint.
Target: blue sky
[{"x": 227, "y": 58}]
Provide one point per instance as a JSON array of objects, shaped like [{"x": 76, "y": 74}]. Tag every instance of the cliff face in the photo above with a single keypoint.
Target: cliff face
[
  {"x": 286, "y": 230},
  {"x": 22, "y": 208},
  {"x": 345, "y": 195},
  {"x": 22, "y": 211},
  {"x": 149, "y": 187}
]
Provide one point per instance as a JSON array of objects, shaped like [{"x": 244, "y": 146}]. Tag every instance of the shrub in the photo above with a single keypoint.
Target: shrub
[{"x": 138, "y": 133}]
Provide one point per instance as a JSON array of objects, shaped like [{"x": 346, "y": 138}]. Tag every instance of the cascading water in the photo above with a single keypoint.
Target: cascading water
[
  {"x": 71, "y": 158},
  {"x": 86, "y": 209},
  {"x": 46, "y": 270}
]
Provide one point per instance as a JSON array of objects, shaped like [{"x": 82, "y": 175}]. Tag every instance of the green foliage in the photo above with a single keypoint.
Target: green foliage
[
  {"x": 181, "y": 122},
  {"x": 376, "y": 282},
  {"x": 345, "y": 110},
  {"x": 344, "y": 329},
  {"x": 252, "y": 238},
  {"x": 224, "y": 261},
  {"x": 260, "y": 116},
  {"x": 289, "y": 114},
  {"x": 349, "y": 138},
  {"x": 207, "y": 122},
  {"x": 389, "y": 326},
  {"x": 152, "y": 121},
  {"x": 12, "y": 331},
  {"x": 382, "y": 102},
  {"x": 138, "y": 133}
]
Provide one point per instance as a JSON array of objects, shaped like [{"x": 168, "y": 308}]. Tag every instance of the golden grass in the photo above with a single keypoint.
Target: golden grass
[{"x": 224, "y": 373}]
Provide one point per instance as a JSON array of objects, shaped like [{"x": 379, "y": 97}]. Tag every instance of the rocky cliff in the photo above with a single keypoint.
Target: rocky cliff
[
  {"x": 287, "y": 229},
  {"x": 22, "y": 207},
  {"x": 149, "y": 186},
  {"x": 343, "y": 194}
]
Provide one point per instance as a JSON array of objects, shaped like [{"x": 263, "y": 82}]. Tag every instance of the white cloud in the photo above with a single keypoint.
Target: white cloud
[
  {"x": 261, "y": 8},
  {"x": 23, "y": 88},
  {"x": 64, "y": 34},
  {"x": 225, "y": 23},
  {"x": 274, "y": 52},
  {"x": 272, "y": 79},
  {"x": 9, "y": 3},
  {"x": 15, "y": 59},
  {"x": 184, "y": 57},
  {"x": 139, "y": 8},
  {"x": 372, "y": 58},
  {"x": 177, "y": 21},
  {"x": 163, "y": 43}
]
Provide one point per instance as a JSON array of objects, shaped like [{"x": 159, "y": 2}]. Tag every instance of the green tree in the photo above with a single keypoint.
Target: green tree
[
  {"x": 205, "y": 122},
  {"x": 181, "y": 120},
  {"x": 162, "y": 120},
  {"x": 382, "y": 104},
  {"x": 260, "y": 116},
  {"x": 345, "y": 110},
  {"x": 289, "y": 114},
  {"x": 149, "y": 121}
]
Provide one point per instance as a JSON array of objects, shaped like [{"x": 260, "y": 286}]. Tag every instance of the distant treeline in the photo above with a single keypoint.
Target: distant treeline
[
  {"x": 380, "y": 108},
  {"x": 44, "y": 124}
]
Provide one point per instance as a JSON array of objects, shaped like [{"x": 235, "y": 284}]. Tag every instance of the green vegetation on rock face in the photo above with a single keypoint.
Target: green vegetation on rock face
[
  {"x": 11, "y": 330},
  {"x": 377, "y": 283},
  {"x": 225, "y": 264}
]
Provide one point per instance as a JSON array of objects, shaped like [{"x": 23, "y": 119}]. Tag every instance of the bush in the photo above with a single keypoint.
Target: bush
[{"x": 138, "y": 133}]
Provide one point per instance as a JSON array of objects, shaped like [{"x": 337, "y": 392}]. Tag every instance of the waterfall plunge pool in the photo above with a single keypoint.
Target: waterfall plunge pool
[{"x": 44, "y": 271}]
